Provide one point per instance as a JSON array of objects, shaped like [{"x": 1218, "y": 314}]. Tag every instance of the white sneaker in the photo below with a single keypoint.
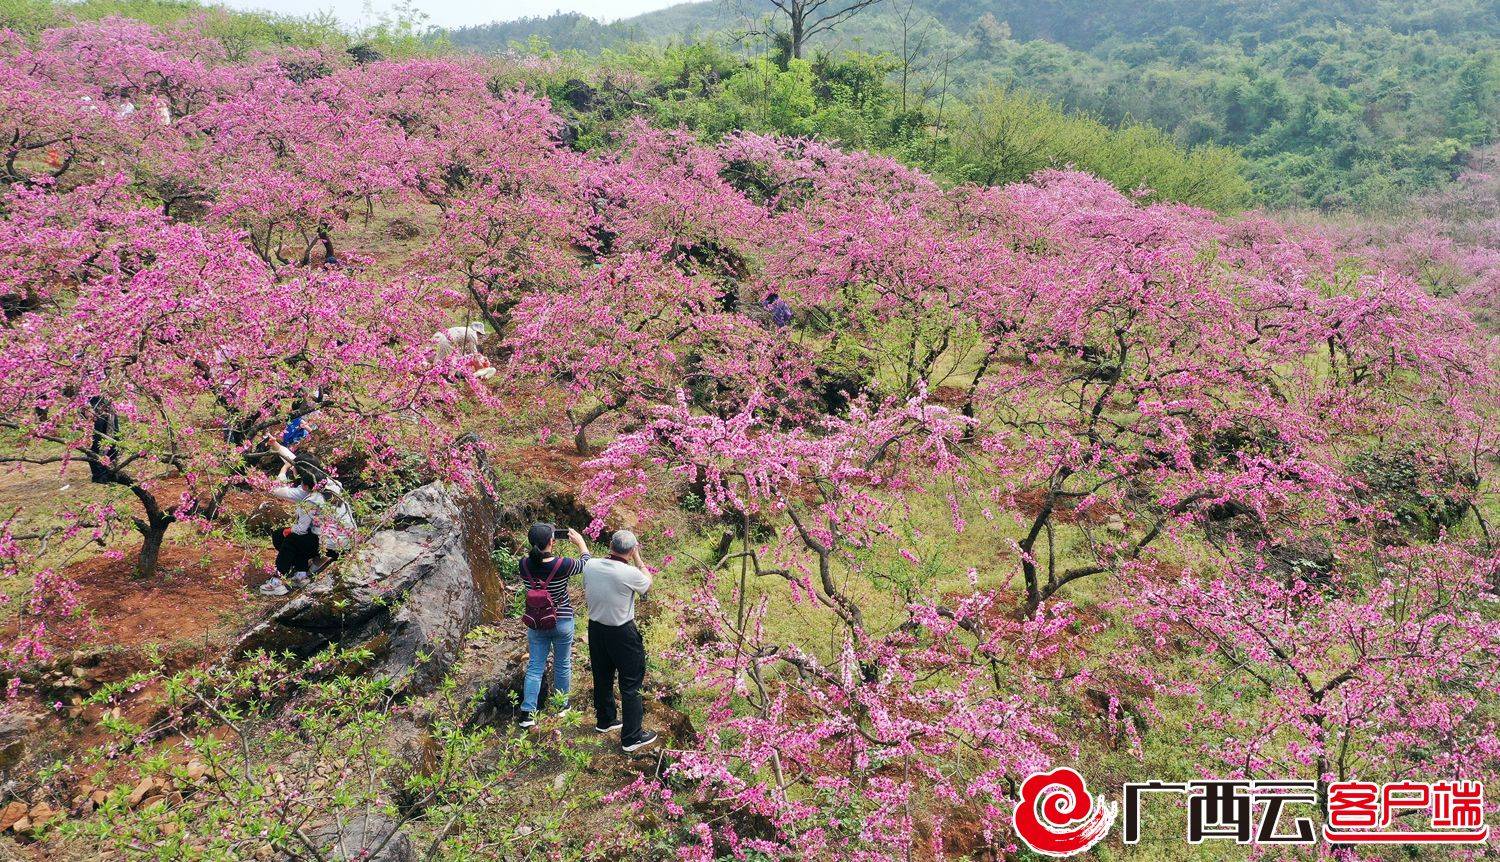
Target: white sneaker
[
  {"x": 273, "y": 587},
  {"x": 299, "y": 579},
  {"x": 528, "y": 719}
]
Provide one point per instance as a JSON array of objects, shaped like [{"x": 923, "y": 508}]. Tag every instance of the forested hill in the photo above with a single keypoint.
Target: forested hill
[
  {"x": 1087, "y": 23},
  {"x": 1082, "y": 24},
  {"x": 1335, "y": 104}
]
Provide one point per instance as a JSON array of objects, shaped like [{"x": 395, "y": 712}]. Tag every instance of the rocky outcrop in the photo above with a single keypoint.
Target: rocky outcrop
[
  {"x": 409, "y": 595},
  {"x": 366, "y": 837},
  {"x": 15, "y": 728},
  {"x": 493, "y": 672},
  {"x": 554, "y": 506}
]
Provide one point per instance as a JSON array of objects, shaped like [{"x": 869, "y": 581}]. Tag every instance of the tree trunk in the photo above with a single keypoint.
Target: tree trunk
[
  {"x": 153, "y": 534},
  {"x": 327, "y": 241},
  {"x": 153, "y": 528},
  {"x": 581, "y": 439},
  {"x": 984, "y": 367},
  {"x": 797, "y": 35},
  {"x": 498, "y": 316},
  {"x": 1034, "y": 593},
  {"x": 1027, "y": 546},
  {"x": 580, "y": 435}
]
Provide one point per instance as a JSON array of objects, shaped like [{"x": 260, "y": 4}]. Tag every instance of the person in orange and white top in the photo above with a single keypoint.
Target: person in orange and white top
[{"x": 464, "y": 340}]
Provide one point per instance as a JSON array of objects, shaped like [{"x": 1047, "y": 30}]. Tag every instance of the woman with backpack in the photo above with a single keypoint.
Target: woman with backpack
[{"x": 549, "y": 613}]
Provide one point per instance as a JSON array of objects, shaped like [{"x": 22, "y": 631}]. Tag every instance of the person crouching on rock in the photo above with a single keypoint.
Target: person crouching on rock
[
  {"x": 298, "y": 544},
  {"x": 336, "y": 526},
  {"x": 549, "y": 614},
  {"x": 610, "y": 586}
]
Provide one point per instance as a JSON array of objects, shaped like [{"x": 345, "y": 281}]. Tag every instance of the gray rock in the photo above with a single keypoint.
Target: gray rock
[
  {"x": 15, "y": 728},
  {"x": 493, "y": 671},
  {"x": 430, "y": 564},
  {"x": 369, "y": 837},
  {"x": 410, "y": 594}
]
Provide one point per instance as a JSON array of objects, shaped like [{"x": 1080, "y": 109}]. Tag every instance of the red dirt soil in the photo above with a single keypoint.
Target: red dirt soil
[
  {"x": 950, "y": 396},
  {"x": 1029, "y": 502},
  {"x": 198, "y": 596},
  {"x": 198, "y": 588},
  {"x": 552, "y": 464}
]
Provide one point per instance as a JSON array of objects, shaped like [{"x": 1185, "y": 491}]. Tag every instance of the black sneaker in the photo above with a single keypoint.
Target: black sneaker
[
  {"x": 528, "y": 719},
  {"x": 646, "y": 738},
  {"x": 613, "y": 727}
]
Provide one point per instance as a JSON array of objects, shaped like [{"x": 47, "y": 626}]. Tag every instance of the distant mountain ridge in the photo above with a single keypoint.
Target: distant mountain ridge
[
  {"x": 1079, "y": 24},
  {"x": 573, "y": 31}
]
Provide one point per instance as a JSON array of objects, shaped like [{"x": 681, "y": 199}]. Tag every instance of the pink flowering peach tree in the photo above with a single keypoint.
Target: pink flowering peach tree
[{"x": 175, "y": 350}]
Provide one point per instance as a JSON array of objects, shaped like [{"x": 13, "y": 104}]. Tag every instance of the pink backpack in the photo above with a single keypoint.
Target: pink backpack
[{"x": 541, "y": 611}]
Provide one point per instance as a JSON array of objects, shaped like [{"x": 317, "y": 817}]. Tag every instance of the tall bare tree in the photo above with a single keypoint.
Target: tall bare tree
[
  {"x": 807, "y": 18},
  {"x": 913, "y": 43}
]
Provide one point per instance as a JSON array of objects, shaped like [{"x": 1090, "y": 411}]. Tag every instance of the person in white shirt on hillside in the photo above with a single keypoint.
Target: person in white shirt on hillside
[
  {"x": 459, "y": 339},
  {"x": 337, "y": 528},
  {"x": 610, "y": 587}
]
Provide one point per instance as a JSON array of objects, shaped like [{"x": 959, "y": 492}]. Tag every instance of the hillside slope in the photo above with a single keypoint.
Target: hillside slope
[{"x": 942, "y": 484}]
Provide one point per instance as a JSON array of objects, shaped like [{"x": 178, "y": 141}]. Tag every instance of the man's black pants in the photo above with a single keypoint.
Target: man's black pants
[{"x": 618, "y": 649}]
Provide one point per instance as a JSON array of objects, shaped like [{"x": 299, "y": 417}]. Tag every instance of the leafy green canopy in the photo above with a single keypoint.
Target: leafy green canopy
[{"x": 1001, "y": 136}]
